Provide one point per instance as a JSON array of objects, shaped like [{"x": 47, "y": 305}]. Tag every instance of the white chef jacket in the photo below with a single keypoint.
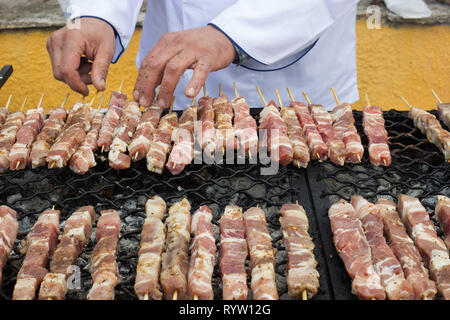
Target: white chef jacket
[{"x": 306, "y": 45}]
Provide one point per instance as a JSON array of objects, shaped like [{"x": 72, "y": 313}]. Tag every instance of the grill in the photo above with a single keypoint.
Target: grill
[{"x": 418, "y": 167}]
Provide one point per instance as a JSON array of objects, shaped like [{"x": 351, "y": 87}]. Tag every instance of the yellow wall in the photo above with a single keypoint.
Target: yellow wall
[{"x": 409, "y": 60}]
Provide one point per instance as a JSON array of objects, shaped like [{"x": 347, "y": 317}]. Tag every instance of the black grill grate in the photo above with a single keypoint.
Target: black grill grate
[{"x": 32, "y": 191}]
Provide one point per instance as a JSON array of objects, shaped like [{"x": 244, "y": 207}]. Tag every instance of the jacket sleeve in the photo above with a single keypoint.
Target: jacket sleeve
[
  {"x": 270, "y": 32},
  {"x": 120, "y": 15}
]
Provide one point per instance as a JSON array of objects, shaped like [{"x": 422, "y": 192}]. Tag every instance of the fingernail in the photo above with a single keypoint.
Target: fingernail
[
  {"x": 103, "y": 84},
  {"x": 190, "y": 92},
  {"x": 143, "y": 101},
  {"x": 161, "y": 103},
  {"x": 136, "y": 95}
]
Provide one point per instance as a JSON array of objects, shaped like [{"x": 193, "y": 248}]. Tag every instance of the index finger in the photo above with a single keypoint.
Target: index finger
[{"x": 69, "y": 70}]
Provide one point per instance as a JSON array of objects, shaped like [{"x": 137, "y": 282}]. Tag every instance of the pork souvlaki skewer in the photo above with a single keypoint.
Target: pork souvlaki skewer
[
  {"x": 374, "y": 128},
  {"x": 431, "y": 127},
  {"x": 175, "y": 263},
  {"x": 8, "y": 131},
  {"x": 206, "y": 137},
  {"x": 300, "y": 148},
  {"x": 317, "y": 147},
  {"x": 19, "y": 156},
  {"x": 103, "y": 266},
  {"x": 302, "y": 276},
  {"x": 233, "y": 254},
  {"x": 276, "y": 131},
  {"x": 83, "y": 159},
  {"x": 344, "y": 125},
  {"x": 442, "y": 212},
  {"x": 161, "y": 143},
  {"x": 336, "y": 147},
  {"x": 39, "y": 245},
  {"x": 352, "y": 246},
  {"x": 8, "y": 229},
  {"x": 77, "y": 231},
  {"x": 223, "y": 117},
  {"x": 443, "y": 109},
  {"x": 111, "y": 120},
  {"x": 202, "y": 258},
  {"x": 78, "y": 123},
  {"x": 118, "y": 159},
  {"x": 245, "y": 126},
  {"x": 431, "y": 247},
  {"x": 182, "y": 152},
  {"x": 50, "y": 131},
  {"x": 153, "y": 237},
  {"x": 406, "y": 252},
  {"x": 384, "y": 260}
]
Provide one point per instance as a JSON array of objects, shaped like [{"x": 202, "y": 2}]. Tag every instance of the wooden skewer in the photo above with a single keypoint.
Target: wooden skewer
[
  {"x": 436, "y": 96},
  {"x": 23, "y": 104},
  {"x": 146, "y": 296},
  {"x": 204, "y": 90},
  {"x": 175, "y": 295},
  {"x": 103, "y": 148},
  {"x": 290, "y": 94},
  {"x": 306, "y": 97},
  {"x": 93, "y": 99},
  {"x": 100, "y": 103},
  {"x": 195, "y": 297},
  {"x": 53, "y": 207},
  {"x": 136, "y": 156},
  {"x": 406, "y": 102},
  {"x": 157, "y": 92},
  {"x": 52, "y": 164},
  {"x": 193, "y": 102},
  {"x": 261, "y": 95},
  {"x": 17, "y": 164},
  {"x": 317, "y": 155},
  {"x": 8, "y": 102},
  {"x": 367, "y": 99},
  {"x": 359, "y": 158},
  {"x": 121, "y": 85},
  {"x": 279, "y": 98},
  {"x": 65, "y": 100},
  {"x": 335, "y": 96},
  {"x": 304, "y": 295},
  {"x": 40, "y": 101},
  {"x": 235, "y": 90},
  {"x": 220, "y": 89}
]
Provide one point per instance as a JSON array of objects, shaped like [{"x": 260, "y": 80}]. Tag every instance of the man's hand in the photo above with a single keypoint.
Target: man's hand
[
  {"x": 204, "y": 50},
  {"x": 71, "y": 51}
]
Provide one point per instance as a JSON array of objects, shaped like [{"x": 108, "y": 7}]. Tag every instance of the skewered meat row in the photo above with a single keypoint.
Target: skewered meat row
[
  {"x": 153, "y": 237},
  {"x": 182, "y": 152},
  {"x": 175, "y": 262},
  {"x": 262, "y": 255},
  {"x": 207, "y": 136},
  {"x": 245, "y": 127},
  {"x": 45, "y": 139},
  {"x": 19, "y": 156},
  {"x": 8, "y": 136},
  {"x": 431, "y": 247},
  {"x": 111, "y": 120},
  {"x": 352, "y": 246},
  {"x": 336, "y": 147},
  {"x": 344, "y": 126},
  {"x": 442, "y": 212},
  {"x": 431, "y": 127},
  {"x": 223, "y": 114},
  {"x": 383, "y": 259},
  {"x": 277, "y": 139},
  {"x": 8, "y": 230},
  {"x": 301, "y": 270},
  {"x": 77, "y": 231},
  {"x": 104, "y": 270},
  {"x": 142, "y": 138},
  {"x": 373, "y": 123},
  {"x": 233, "y": 253},
  {"x": 39, "y": 245},
  {"x": 444, "y": 113},
  {"x": 72, "y": 136},
  {"x": 161, "y": 143},
  {"x": 117, "y": 157},
  {"x": 83, "y": 159},
  {"x": 405, "y": 251},
  {"x": 317, "y": 147},
  {"x": 295, "y": 134},
  {"x": 202, "y": 259}
]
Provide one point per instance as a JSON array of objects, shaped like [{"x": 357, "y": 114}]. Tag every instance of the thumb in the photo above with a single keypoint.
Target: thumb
[{"x": 100, "y": 67}]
